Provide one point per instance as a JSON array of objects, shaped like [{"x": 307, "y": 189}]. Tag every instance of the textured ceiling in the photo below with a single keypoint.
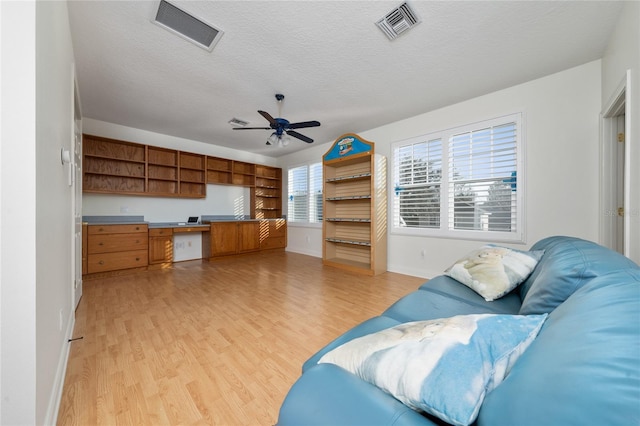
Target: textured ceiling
[{"x": 327, "y": 57}]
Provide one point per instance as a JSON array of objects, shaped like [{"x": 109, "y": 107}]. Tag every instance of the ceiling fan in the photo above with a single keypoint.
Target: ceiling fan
[{"x": 282, "y": 127}]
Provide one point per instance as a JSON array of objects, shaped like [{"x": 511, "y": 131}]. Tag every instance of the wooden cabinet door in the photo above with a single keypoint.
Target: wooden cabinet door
[
  {"x": 160, "y": 249},
  {"x": 248, "y": 236},
  {"x": 224, "y": 238}
]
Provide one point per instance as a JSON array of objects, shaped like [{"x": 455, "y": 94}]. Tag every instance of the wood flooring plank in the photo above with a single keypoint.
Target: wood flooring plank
[{"x": 210, "y": 343}]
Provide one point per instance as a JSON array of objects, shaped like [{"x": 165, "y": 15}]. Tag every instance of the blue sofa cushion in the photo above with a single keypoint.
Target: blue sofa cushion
[
  {"x": 328, "y": 395},
  {"x": 493, "y": 271},
  {"x": 443, "y": 297},
  {"x": 444, "y": 367},
  {"x": 568, "y": 264},
  {"x": 584, "y": 366}
]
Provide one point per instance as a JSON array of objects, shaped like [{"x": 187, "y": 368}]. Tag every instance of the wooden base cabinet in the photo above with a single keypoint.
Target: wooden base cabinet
[
  {"x": 160, "y": 246},
  {"x": 273, "y": 234},
  {"x": 228, "y": 238},
  {"x": 117, "y": 247}
]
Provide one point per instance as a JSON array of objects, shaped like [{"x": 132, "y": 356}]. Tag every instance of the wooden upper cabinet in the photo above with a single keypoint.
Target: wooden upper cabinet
[
  {"x": 192, "y": 175},
  {"x": 162, "y": 171},
  {"x": 113, "y": 166}
]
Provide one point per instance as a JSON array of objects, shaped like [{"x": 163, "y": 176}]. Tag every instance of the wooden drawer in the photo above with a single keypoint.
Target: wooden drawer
[
  {"x": 160, "y": 232},
  {"x": 117, "y": 229},
  {"x": 103, "y": 262},
  {"x": 109, "y": 243},
  {"x": 273, "y": 242}
]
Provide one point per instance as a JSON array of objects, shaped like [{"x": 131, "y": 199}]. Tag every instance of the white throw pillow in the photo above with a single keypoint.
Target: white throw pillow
[{"x": 494, "y": 271}]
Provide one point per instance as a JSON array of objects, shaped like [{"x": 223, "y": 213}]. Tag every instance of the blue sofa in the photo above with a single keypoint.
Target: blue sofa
[{"x": 583, "y": 367}]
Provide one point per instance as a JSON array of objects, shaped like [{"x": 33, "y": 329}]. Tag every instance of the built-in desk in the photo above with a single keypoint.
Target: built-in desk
[{"x": 172, "y": 242}]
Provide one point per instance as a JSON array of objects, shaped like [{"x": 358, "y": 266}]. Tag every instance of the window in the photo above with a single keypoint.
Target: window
[
  {"x": 461, "y": 182},
  {"x": 305, "y": 194}
]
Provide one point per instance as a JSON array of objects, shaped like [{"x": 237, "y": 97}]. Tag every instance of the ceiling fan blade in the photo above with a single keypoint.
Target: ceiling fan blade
[
  {"x": 303, "y": 124},
  {"x": 268, "y": 117},
  {"x": 251, "y": 128},
  {"x": 299, "y": 136}
]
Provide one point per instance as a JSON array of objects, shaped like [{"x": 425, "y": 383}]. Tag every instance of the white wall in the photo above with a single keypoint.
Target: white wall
[
  {"x": 622, "y": 54},
  {"x": 18, "y": 214},
  {"x": 561, "y": 143},
  {"x": 36, "y": 209},
  {"x": 54, "y": 232},
  {"x": 220, "y": 200}
]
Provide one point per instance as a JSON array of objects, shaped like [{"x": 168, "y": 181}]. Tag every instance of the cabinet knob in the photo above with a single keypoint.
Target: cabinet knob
[
  {"x": 100, "y": 243},
  {"x": 137, "y": 228},
  {"x": 100, "y": 229},
  {"x": 101, "y": 262},
  {"x": 137, "y": 241},
  {"x": 137, "y": 259}
]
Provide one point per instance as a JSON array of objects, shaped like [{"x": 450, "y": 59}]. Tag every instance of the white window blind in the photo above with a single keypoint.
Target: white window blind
[
  {"x": 461, "y": 182},
  {"x": 305, "y": 194}
]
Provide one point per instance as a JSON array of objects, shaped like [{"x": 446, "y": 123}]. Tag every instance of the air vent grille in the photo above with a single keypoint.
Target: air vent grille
[
  {"x": 237, "y": 122},
  {"x": 187, "y": 26},
  {"x": 398, "y": 21}
]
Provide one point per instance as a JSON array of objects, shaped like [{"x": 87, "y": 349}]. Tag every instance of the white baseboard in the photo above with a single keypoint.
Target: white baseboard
[{"x": 53, "y": 407}]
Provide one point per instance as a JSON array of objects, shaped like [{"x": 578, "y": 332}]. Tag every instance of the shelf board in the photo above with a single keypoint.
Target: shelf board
[
  {"x": 115, "y": 175},
  {"x": 348, "y": 219},
  {"x": 106, "y": 157},
  {"x": 349, "y": 198},
  {"x": 351, "y": 177},
  {"x": 349, "y": 241}
]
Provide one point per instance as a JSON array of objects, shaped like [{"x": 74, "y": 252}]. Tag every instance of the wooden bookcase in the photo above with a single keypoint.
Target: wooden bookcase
[
  {"x": 267, "y": 193},
  {"x": 113, "y": 166},
  {"x": 355, "y": 206}
]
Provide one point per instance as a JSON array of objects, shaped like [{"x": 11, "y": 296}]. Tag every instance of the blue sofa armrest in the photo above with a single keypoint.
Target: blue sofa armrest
[{"x": 328, "y": 395}]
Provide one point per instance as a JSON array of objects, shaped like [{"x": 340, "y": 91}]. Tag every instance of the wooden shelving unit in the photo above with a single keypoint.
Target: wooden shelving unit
[
  {"x": 118, "y": 167},
  {"x": 162, "y": 171},
  {"x": 267, "y": 194},
  {"x": 355, "y": 224},
  {"x": 244, "y": 174},
  {"x": 192, "y": 180},
  {"x": 219, "y": 171},
  {"x": 113, "y": 166}
]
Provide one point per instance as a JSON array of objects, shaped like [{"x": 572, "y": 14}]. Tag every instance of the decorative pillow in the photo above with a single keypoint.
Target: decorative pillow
[
  {"x": 494, "y": 271},
  {"x": 444, "y": 367}
]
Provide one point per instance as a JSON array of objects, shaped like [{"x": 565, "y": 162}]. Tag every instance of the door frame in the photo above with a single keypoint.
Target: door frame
[{"x": 617, "y": 105}]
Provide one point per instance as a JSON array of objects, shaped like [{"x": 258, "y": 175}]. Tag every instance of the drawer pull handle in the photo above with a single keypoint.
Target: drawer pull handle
[
  {"x": 100, "y": 229},
  {"x": 101, "y": 262},
  {"x": 100, "y": 243},
  {"x": 137, "y": 259},
  {"x": 137, "y": 228}
]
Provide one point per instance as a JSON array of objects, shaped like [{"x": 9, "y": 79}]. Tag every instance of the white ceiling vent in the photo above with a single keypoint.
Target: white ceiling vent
[
  {"x": 398, "y": 21},
  {"x": 237, "y": 122},
  {"x": 193, "y": 29}
]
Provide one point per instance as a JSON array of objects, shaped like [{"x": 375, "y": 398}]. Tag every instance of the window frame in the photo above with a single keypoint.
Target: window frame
[
  {"x": 307, "y": 223},
  {"x": 444, "y": 230}
]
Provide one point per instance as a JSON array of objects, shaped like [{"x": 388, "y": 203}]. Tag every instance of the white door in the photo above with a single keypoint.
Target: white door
[
  {"x": 76, "y": 169},
  {"x": 619, "y": 184}
]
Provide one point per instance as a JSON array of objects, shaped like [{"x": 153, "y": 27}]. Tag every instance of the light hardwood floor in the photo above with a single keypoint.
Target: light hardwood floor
[{"x": 210, "y": 342}]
